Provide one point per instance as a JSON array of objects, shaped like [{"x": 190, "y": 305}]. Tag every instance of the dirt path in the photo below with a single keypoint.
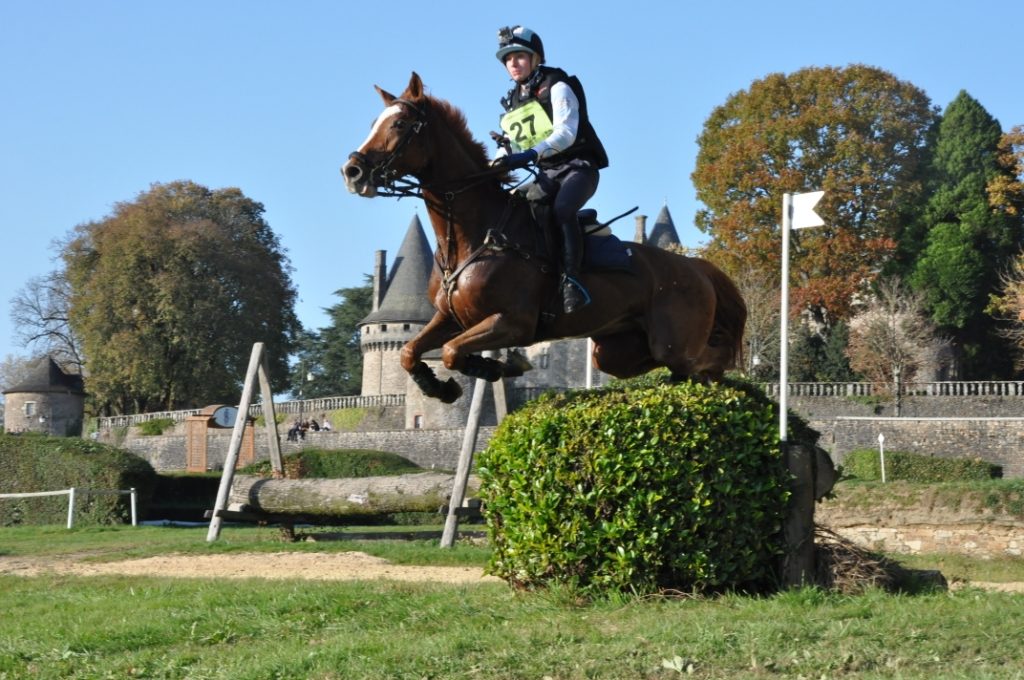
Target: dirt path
[{"x": 347, "y": 566}]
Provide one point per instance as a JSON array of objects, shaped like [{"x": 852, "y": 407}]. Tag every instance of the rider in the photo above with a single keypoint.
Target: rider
[{"x": 546, "y": 122}]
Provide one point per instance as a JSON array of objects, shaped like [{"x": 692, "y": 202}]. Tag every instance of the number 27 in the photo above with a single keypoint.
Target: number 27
[{"x": 517, "y": 129}]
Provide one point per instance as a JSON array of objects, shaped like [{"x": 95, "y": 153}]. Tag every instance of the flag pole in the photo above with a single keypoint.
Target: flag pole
[{"x": 787, "y": 218}]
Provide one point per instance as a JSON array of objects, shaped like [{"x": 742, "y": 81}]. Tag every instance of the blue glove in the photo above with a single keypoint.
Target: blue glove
[{"x": 514, "y": 161}]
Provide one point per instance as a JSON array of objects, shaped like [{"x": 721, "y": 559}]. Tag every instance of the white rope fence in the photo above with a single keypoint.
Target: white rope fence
[{"x": 72, "y": 492}]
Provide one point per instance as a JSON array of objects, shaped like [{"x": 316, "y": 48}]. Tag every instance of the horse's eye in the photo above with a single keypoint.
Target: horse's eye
[{"x": 399, "y": 124}]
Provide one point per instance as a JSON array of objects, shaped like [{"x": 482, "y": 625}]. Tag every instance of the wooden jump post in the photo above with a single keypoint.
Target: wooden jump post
[
  {"x": 258, "y": 366},
  {"x": 469, "y": 437}
]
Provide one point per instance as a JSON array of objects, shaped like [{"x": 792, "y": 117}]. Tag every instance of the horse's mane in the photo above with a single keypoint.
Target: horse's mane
[{"x": 457, "y": 123}]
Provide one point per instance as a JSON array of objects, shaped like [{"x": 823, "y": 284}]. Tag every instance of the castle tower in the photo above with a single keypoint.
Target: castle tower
[
  {"x": 48, "y": 400},
  {"x": 664, "y": 233},
  {"x": 400, "y": 310}
]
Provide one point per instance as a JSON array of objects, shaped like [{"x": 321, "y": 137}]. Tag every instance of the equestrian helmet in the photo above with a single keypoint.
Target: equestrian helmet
[{"x": 518, "y": 39}]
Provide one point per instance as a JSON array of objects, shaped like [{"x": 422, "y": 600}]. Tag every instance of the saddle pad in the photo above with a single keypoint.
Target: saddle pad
[{"x": 606, "y": 253}]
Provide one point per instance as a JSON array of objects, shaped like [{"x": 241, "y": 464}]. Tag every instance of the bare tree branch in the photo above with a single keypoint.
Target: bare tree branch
[{"x": 39, "y": 313}]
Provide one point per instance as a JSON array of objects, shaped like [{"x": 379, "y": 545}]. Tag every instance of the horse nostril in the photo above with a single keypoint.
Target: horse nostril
[{"x": 352, "y": 171}]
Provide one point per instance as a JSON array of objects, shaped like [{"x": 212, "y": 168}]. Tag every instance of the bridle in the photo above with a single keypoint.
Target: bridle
[
  {"x": 390, "y": 184},
  {"x": 382, "y": 174}
]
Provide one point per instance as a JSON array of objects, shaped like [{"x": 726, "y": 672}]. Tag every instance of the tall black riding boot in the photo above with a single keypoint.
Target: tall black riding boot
[{"x": 574, "y": 295}]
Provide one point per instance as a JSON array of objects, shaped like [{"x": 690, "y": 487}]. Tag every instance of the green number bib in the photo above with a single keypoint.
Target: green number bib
[{"x": 527, "y": 125}]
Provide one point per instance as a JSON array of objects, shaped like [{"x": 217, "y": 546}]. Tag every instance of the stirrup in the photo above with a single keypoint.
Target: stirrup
[{"x": 574, "y": 295}]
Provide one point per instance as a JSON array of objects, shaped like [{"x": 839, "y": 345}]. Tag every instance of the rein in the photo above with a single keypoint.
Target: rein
[{"x": 391, "y": 185}]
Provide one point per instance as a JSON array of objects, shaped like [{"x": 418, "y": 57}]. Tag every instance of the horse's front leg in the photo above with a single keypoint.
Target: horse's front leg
[
  {"x": 497, "y": 331},
  {"x": 439, "y": 330}
]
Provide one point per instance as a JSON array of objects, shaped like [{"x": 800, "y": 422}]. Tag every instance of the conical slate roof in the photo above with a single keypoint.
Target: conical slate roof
[
  {"x": 406, "y": 296},
  {"x": 46, "y": 376},
  {"x": 664, "y": 233}
]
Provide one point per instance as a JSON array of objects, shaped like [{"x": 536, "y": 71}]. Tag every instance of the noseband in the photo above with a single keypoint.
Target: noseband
[{"x": 382, "y": 170}]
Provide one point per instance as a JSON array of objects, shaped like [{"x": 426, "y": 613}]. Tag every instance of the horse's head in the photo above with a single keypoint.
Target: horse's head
[{"x": 395, "y": 147}]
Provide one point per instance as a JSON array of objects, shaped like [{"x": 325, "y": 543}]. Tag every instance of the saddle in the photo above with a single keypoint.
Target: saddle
[{"x": 602, "y": 250}]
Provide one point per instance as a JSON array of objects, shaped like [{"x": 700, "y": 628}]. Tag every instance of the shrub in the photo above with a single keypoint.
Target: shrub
[
  {"x": 30, "y": 463},
  {"x": 912, "y": 467},
  {"x": 340, "y": 464},
  {"x": 156, "y": 426},
  {"x": 637, "y": 489}
]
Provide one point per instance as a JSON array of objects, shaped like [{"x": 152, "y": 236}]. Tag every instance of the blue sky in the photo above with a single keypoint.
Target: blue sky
[{"x": 101, "y": 99}]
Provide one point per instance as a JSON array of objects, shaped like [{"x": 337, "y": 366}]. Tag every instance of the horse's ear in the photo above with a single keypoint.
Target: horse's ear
[
  {"x": 388, "y": 98},
  {"x": 415, "y": 87}
]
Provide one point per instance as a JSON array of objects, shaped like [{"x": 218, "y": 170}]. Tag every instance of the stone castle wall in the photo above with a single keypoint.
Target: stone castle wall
[
  {"x": 990, "y": 428},
  {"x": 435, "y": 448}
]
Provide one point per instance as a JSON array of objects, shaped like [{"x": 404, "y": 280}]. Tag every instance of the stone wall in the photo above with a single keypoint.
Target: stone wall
[
  {"x": 986, "y": 406},
  {"x": 988, "y": 427},
  {"x": 978, "y": 540},
  {"x": 994, "y": 440},
  {"x": 427, "y": 448},
  {"x": 54, "y": 413},
  {"x": 903, "y": 518}
]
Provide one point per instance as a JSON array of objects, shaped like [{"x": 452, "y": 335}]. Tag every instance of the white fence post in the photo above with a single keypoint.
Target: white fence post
[
  {"x": 881, "y": 454},
  {"x": 135, "y": 517},
  {"x": 71, "y": 507}
]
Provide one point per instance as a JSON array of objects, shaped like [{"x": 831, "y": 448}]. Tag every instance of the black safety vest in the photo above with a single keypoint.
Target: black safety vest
[{"x": 587, "y": 145}]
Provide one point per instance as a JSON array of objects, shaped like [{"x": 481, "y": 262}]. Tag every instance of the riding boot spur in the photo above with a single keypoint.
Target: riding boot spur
[{"x": 574, "y": 294}]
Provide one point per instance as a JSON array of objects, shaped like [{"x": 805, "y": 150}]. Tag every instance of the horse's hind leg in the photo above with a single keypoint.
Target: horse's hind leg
[
  {"x": 679, "y": 326},
  {"x": 623, "y": 355}
]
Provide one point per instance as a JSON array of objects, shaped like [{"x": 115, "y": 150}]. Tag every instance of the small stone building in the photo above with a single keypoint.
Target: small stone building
[{"x": 48, "y": 400}]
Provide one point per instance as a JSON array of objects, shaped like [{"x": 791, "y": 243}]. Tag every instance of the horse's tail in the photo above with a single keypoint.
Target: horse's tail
[{"x": 730, "y": 314}]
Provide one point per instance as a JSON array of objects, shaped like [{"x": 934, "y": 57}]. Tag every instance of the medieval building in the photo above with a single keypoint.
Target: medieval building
[
  {"x": 48, "y": 400},
  {"x": 400, "y": 309}
]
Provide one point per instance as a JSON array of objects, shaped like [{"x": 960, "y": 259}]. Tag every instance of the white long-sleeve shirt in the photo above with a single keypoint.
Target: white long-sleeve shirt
[{"x": 565, "y": 121}]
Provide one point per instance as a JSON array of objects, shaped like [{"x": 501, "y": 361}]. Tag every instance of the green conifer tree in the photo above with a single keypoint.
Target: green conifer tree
[{"x": 967, "y": 242}]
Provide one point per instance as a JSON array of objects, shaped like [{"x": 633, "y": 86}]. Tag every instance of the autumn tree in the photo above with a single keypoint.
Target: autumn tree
[
  {"x": 1006, "y": 188},
  {"x": 967, "y": 242},
  {"x": 1008, "y": 306},
  {"x": 169, "y": 293},
  {"x": 892, "y": 338},
  {"x": 858, "y": 133}
]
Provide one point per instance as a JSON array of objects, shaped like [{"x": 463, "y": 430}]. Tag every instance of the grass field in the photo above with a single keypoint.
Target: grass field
[{"x": 163, "y": 627}]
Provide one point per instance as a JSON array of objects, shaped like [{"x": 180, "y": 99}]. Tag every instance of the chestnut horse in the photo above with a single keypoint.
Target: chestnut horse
[{"x": 493, "y": 286}]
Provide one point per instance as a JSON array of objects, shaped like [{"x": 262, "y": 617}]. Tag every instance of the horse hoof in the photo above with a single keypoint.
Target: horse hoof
[
  {"x": 450, "y": 391},
  {"x": 516, "y": 365}
]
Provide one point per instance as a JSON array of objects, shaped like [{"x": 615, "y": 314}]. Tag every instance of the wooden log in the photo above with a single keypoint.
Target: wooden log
[{"x": 343, "y": 498}]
